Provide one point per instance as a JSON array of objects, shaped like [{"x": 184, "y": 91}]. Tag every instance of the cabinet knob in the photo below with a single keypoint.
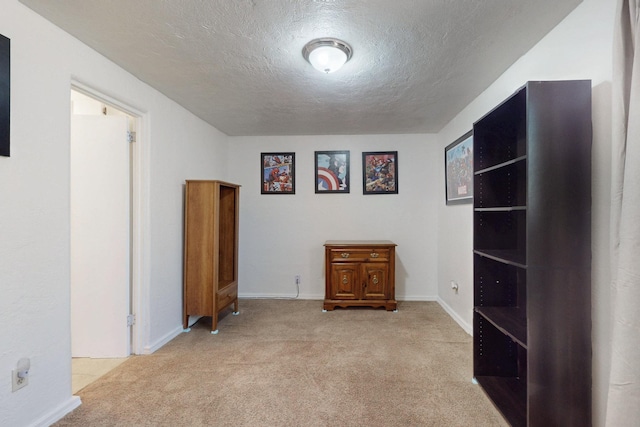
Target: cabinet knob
[
  {"x": 375, "y": 255},
  {"x": 344, "y": 254},
  {"x": 345, "y": 280},
  {"x": 375, "y": 280}
]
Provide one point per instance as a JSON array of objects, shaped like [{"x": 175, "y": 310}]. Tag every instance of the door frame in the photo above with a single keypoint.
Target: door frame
[{"x": 140, "y": 242}]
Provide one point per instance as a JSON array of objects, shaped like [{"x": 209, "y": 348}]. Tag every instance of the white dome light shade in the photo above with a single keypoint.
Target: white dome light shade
[{"x": 327, "y": 55}]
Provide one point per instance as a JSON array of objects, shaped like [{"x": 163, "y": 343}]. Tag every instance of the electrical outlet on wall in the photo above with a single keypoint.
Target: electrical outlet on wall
[
  {"x": 454, "y": 286},
  {"x": 16, "y": 382},
  {"x": 20, "y": 376}
]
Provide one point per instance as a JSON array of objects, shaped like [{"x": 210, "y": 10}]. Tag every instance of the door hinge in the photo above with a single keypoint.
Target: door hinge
[
  {"x": 131, "y": 319},
  {"x": 131, "y": 137}
]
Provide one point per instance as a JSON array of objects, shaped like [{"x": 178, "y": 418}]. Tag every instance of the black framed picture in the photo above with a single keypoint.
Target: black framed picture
[
  {"x": 278, "y": 173},
  {"x": 380, "y": 172},
  {"x": 332, "y": 171},
  {"x": 5, "y": 95},
  {"x": 458, "y": 159}
]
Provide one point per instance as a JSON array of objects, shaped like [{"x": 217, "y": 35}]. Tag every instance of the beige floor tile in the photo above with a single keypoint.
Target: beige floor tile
[{"x": 87, "y": 370}]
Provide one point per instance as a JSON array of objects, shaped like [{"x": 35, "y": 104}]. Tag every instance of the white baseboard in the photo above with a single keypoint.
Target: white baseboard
[
  {"x": 282, "y": 296},
  {"x": 464, "y": 325},
  {"x": 153, "y": 347},
  {"x": 416, "y": 298},
  {"x": 320, "y": 297},
  {"x": 58, "y": 413}
]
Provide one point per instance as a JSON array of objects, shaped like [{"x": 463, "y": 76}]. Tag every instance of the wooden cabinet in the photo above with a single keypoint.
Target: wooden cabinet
[
  {"x": 210, "y": 249},
  {"x": 360, "y": 273},
  {"x": 532, "y": 254}
]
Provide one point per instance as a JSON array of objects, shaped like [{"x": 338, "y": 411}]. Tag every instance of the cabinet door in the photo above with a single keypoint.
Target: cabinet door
[
  {"x": 344, "y": 281},
  {"x": 375, "y": 277}
]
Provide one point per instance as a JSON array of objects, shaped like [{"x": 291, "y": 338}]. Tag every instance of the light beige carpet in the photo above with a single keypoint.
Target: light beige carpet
[{"x": 286, "y": 363}]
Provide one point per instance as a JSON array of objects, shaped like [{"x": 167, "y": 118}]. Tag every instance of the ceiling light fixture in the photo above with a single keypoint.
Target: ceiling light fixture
[{"x": 327, "y": 54}]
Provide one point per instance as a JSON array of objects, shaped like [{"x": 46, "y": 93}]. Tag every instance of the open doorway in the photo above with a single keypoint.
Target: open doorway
[{"x": 102, "y": 225}]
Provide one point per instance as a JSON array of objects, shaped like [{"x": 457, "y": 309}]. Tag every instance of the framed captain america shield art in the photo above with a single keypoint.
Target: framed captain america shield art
[{"x": 332, "y": 171}]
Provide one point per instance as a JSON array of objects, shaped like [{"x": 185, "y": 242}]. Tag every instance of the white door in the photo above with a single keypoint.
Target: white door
[{"x": 100, "y": 218}]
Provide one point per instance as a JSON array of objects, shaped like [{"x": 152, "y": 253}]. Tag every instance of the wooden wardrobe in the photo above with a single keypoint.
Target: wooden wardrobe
[{"x": 210, "y": 249}]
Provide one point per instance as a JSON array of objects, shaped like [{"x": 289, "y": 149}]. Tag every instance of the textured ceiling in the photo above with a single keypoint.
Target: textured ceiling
[{"x": 238, "y": 65}]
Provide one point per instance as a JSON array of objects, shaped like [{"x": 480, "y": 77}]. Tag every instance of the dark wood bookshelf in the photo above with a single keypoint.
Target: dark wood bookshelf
[
  {"x": 509, "y": 395},
  {"x": 502, "y": 209},
  {"x": 511, "y": 321},
  {"x": 501, "y": 165},
  {"x": 510, "y": 257},
  {"x": 532, "y": 240}
]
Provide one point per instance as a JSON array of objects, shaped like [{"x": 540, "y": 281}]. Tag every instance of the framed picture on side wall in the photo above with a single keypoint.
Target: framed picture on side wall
[
  {"x": 278, "y": 173},
  {"x": 380, "y": 172},
  {"x": 332, "y": 171},
  {"x": 5, "y": 93},
  {"x": 458, "y": 159}
]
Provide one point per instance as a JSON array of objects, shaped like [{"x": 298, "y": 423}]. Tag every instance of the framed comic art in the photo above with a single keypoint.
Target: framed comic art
[
  {"x": 380, "y": 172},
  {"x": 458, "y": 159},
  {"x": 332, "y": 171},
  {"x": 278, "y": 173}
]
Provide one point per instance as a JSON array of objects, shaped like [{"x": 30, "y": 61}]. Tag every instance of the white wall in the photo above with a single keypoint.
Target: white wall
[
  {"x": 282, "y": 236},
  {"x": 183, "y": 147},
  {"x": 579, "y": 48},
  {"x": 34, "y": 207}
]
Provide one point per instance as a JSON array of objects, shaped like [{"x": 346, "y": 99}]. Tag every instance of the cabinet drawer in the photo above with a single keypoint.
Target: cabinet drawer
[
  {"x": 227, "y": 295},
  {"x": 370, "y": 254}
]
